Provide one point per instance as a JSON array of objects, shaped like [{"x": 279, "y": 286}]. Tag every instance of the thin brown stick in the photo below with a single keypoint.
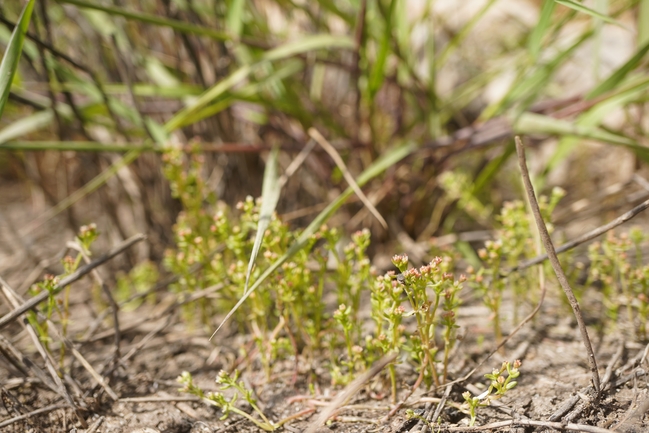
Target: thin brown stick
[
  {"x": 412, "y": 390},
  {"x": 45, "y": 409},
  {"x": 16, "y": 300},
  {"x": 315, "y": 134},
  {"x": 111, "y": 300},
  {"x": 95, "y": 425},
  {"x": 554, "y": 260},
  {"x": 296, "y": 163},
  {"x": 49, "y": 363},
  {"x": 154, "y": 399},
  {"x": 432, "y": 417},
  {"x": 83, "y": 270},
  {"x": 349, "y": 392},
  {"x": 608, "y": 374},
  {"x": 185, "y": 299},
  {"x": 148, "y": 337},
  {"x": 531, "y": 423}
]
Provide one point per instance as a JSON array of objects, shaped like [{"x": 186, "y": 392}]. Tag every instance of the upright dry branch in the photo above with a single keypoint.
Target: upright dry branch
[{"x": 554, "y": 260}]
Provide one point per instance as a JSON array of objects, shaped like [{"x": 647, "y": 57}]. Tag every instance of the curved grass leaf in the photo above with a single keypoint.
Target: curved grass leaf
[
  {"x": 597, "y": 114},
  {"x": 25, "y": 125},
  {"x": 244, "y": 92},
  {"x": 12, "y": 53},
  {"x": 524, "y": 91},
  {"x": 643, "y": 22},
  {"x": 462, "y": 34},
  {"x": 593, "y": 13},
  {"x": 151, "y": 19},
  {"x": 307, "y": 43},
  {"x": 614, "y": 80},
  {"x": 377, "y": 74},
  {"x": 269, "y": 197},
  {"x": 386, "y": 161},
  {"x": 77, "y": 146},
  {"x": 531, "y": 123},
  {"x": 535, "y": 40},
  {"x": 315, "y": 134},
  {"x": 492, "y": 169}
]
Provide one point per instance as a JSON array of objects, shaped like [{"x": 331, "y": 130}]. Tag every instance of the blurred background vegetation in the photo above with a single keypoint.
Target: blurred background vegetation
[{"x": 103, "y": 87}]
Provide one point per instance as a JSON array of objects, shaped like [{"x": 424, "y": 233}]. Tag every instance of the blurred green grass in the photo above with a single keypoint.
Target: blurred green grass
[{"x": 100, "y": 77}]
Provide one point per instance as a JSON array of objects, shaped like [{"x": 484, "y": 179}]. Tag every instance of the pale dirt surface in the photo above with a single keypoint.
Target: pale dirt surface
[
  {"x": 159, "y": 348},
  {"x": 554, "y": 364},
  {"x": 554, "y": 369}
]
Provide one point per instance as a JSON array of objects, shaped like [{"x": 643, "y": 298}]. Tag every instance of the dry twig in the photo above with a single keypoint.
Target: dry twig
[
  {"x": 531, "y": 423},
  {"x": 83, "y": 270},
  {"x": 349, "y": 392},
  {"x": 45, "y": 409},
  {"x": 552, "y": 255},
  {"x": 315, "y": 134}
]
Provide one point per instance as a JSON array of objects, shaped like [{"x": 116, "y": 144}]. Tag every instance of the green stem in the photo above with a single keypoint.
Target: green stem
[
  {"x": 266, "y": 426},
  {"x": 393, "y": 382}
]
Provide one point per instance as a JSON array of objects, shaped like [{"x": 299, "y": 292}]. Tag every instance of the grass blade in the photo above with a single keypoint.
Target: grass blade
[
  {"x": 492, "y": 169},
  {"x": 462, "y": 34},
  {"x": 269, "y": 198},
  {"x": 593, "y": 13},
  {"x": 530, "y": 123},
  {"x": 535, "y": 40},
  {"x": 27, "y": 124},
  {"x": 307, "y": 43},
  {"x": 235, "y": 17},
  {"x": 151, "y": 19},
  {"x": 377, "y": 74},
  {"x": 643, "y": 22},
  {"x": 12, "y": 54},
  {"x": 622, "y": 96},
  {"x": 386, "y": 161},
  {"x": 616, "y": 77},
  {"x": 76, "y": 146},
  {"x": 244, "y": 92},
  {"x": 524, "y": 91},
  {"x": 315, "y": 134}
]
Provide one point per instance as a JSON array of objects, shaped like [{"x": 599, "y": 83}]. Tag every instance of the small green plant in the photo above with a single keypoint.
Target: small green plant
[
  {"x": 226, "y": 405},
  {"x": 435, "y": 427},
  {"x": 58, "y": 310},
  {"x": 498, "y": 386},
  {"x": 458, "y": 186},
  {"x": 514, "y": 242},
  {"x": 138, "y": 281},
  {"x": 418, "y": 283},
  {"x": 490, "y": 283},
  {"x": 616, "y": 264}
]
